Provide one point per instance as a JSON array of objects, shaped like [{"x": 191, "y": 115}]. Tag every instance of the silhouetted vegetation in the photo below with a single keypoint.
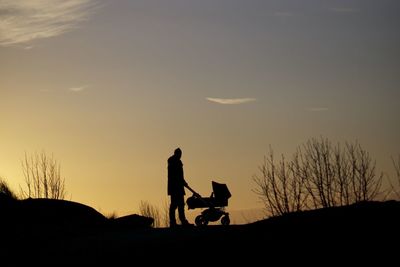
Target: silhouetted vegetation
[
  {"x": 165, "y": 214},
  {"x": 319, "y": 175},
  {"x": 279, "y": 187},
  {"x": 6, "y": 190},
  {"x": 42, "y": 177},
  {"x": 111, "y": 216},
  {"x": 396, "y": 187},
  {"x": 148, "y": 210}
]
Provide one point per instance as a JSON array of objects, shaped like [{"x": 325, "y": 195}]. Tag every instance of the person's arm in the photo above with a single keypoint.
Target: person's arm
[{"x": 191, "y": 190}]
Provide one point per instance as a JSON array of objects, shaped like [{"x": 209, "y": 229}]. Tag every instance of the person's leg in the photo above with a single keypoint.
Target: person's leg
[
  {"x": 181, "y": 210},
  {"x": 172, "y": 208}
]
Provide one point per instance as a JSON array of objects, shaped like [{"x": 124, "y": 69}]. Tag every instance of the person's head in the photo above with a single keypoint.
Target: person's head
[{"x": 178, "y": 153}]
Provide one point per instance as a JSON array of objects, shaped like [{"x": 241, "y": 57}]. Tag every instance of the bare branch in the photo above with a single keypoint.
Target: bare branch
[{"x": 42, "y": 177}]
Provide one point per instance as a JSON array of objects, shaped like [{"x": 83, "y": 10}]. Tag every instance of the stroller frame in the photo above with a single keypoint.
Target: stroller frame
[{"x": 215, "y": 205}]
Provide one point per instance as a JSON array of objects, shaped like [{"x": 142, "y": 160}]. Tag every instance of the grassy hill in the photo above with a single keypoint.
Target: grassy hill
[{"x": 361, "y": 232}]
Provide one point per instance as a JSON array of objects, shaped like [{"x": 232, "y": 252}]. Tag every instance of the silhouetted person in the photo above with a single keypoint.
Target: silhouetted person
[{"x": 176, "y": 188}]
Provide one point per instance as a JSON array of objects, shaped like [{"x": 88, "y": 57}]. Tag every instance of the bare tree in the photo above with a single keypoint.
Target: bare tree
[
  {"x": 279, "y": 186},
  {"x": 148, "y": 210},
  {"x": 342, "y": 179},
  {"x": 337, "y": 175},
  {"x": 42, "y": 177},
  {"x": 318, "y": 172},
  {"x": 319, "y": 175},
  {"x": 365, "y": 184}
]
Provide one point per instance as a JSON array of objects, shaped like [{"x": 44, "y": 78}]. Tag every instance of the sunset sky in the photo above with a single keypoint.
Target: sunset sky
[{"x": 111, "y": 88}]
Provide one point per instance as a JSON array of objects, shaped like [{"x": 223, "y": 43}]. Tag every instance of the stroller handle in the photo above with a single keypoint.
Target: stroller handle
[{"x": 191, "y": 190}]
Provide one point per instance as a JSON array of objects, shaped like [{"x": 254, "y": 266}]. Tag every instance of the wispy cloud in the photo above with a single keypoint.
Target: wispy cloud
[
  {"x": 230, "y": 101},
  {"x": 23, "y": 21},
  {"x": 344, "y": 9},
  {"x": 317, "y": 109},
  {"x": 78, "y": 89}
]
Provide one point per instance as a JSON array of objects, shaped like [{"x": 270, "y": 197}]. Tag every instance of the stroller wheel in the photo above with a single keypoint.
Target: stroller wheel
[
  {"x": 225, "y": 220},
  {"x": 200, "y": 220}
]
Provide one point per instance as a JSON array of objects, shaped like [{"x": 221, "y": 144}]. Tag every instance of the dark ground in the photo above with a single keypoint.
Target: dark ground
[{"x": 360, "y": 234}]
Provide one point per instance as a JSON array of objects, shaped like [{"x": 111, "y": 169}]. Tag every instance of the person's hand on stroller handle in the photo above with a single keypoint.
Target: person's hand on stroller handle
[
  {"x": 196, "y": 195},
  {"x": 191, "y": 190}
]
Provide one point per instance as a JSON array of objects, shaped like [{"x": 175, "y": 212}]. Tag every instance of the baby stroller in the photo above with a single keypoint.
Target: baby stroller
[{"x": 215, "y": 205}]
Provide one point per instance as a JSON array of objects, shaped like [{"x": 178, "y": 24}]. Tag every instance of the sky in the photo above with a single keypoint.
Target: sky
[{"x": 111, "y": 88}]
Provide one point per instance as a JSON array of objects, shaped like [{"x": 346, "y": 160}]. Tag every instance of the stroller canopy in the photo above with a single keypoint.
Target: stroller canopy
[{"x": 221, "y": 191}]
